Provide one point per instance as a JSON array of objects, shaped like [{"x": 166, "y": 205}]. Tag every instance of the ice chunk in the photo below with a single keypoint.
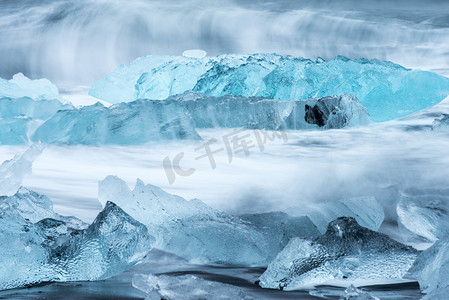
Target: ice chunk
[
  {"x": 194, "y": 231},
  {"x": 138, "y": 122},
  {"x": 346, "y": 253},
  {"x": 13, "y": 171},
  {"x": 367, "y": 211},
  {"x": 441, "y": 124},
  {"x": 109, "y": 246},
  {"x": 425, "y": 213},
  {"x": 261, "y": 113},
  {"x": 21, "y": 86},
  {"x": 194, "y": 53},
  {"x": 189, "y": 229},
  {"x": 143, "y": 121},
  {"x": 388, "y": 90},
  {"x": 19, "y": 117},
  {"x": 185, "y": 287},
  {"x": 50, "y": 250},
  {"x": 431, "y": 268}
]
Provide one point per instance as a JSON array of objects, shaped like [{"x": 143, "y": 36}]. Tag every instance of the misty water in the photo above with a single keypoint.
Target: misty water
[{"x": 74, "y": 43}]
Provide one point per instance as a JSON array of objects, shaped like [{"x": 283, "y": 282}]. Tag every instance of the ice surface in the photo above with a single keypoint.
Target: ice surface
[
  {"x": 367, "y": 211},
  {"x": 187, "y": 287},
  {"x": 441, "y": 124},
  {"x": 13, "y": 171},
  {"x": 346, "y": 253},
  {"x": 21, "y": 86},
  {"x": 388, "y": 90},
  {"x": 195, "y": 231},
  {"x": 138, "y": 122},
  {"x": 261, "y": 113},
  {"x": 49, "y": 250},
  {"x": 425, "y": 213},
  {"x": 431, "y": 268}
]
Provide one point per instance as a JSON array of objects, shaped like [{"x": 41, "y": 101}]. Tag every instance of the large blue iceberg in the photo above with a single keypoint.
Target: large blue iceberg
[
  {"x": 388, "y": 90},
  {"x": 347, "y": 253},
  {"x": 197, "y": 232}
]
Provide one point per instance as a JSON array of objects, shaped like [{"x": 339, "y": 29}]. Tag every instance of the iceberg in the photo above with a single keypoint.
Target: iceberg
[
  {"x": 197, "y": 232},
  {"x": 431, "y": 269},
  {"x": 367, "y": 211},
  {"x": 388, "y": 90},
  {"x": 21, "y": 86},
  {"x": 425, "y": 213},
  {"x": 187, "y": 287},
  {"x": 133, "y": 123},
  {"x": 441, "y": 124},
  {"x": 13, "y": 171},
  {"x": 346, "y": 253},
  {"x": 50, "y": 250},
  {"x": 262, "y": 113}
]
